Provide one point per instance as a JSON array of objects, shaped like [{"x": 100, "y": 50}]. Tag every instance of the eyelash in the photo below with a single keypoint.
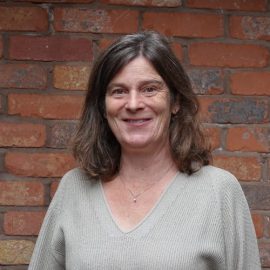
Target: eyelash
[{"x": 146, "y": 90}]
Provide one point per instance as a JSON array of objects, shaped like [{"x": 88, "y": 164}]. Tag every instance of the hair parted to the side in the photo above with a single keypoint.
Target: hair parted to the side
[{"x": 96, "y": 148}]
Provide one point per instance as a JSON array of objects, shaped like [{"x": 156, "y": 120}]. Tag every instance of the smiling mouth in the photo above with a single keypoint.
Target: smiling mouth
[{"x": 137, "y": 121}]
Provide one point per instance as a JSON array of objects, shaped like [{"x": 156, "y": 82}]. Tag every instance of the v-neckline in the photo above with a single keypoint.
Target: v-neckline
[{"x": 109, "y": 223}]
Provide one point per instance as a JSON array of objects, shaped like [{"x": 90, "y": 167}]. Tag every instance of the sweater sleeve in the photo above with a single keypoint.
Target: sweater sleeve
[
  {"x": 241, "y": 248},
  {"x": 49, "y": 252}
]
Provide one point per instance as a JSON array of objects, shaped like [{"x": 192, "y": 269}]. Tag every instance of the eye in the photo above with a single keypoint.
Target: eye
[
  {"x": 118, "y": 92},
  {"x": 150, "y": 90}
]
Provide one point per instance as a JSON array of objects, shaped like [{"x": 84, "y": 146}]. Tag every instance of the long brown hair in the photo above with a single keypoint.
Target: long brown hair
[{"x": 95, "y": 146}]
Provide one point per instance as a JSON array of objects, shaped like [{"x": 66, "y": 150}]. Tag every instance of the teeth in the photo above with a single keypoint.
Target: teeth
[{"x": 136, "y": 121}]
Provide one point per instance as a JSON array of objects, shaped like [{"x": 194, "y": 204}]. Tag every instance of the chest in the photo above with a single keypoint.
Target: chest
[{"x": 180, "y": 233}]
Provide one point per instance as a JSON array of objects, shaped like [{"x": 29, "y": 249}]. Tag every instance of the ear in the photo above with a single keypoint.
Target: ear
[{"x": 175, "y": 108}]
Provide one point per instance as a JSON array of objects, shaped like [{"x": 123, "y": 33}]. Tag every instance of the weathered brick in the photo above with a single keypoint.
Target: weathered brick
[
  {"x": 22, "y": 135},
  {"x": 228, "y": 55},
  {"x": 250, "y": 27},
  {"x": 148, "y": 3},
  {"x": 265, "y": 254},
  {"x": 213, "y": 134},
  {"x": 177, "y": 49},
  {"x": 251, "y": 138},
  {"x": 269, "y": 168},
  {"x": 184, "y": 24},
  {"x": 258, "y": 224},
  {"x": 23, "y": 223},
  {"x": 206, "y": 81},
  {"x": 54, "y": 187},
  {"x": 258, "y": 196},
  {"x": 1, "y": 47},
  {"x": 248, "y": 5},
  {"x": 234, "y": 110},
  {"x": 1, "y": 106},
  {"x": 23, "y": 19},
  {"x": 22, "y": 76},
  {"x": 61, "y": 134},
  {"x": 95, "y": 21},
  {"x": 39, "y": 164},
  {"x": 266, "y": 222},
  {"x": 105, "y": 43},
  {"x": 14, "y": 252},
  {"x": 51, "y": 48},
  {"x": 244, "y": 168},
  {"x": 58, "y": 1},
  {"x": 250, "y": 83},
  {"x": 71, "y": 77},
  {"x": 45, "y": 106},
  {"x": 21, "y": 193}
]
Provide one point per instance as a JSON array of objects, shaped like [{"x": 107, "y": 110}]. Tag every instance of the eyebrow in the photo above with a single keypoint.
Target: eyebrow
[{"x": 144, "y": 82}]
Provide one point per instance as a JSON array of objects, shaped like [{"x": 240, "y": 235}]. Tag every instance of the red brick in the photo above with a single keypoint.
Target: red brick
[
  {"x": 148, "y": 3},
  {"x": 234, "y": 110},
  {"x": 95, "y": 21},
  {"x": 258, "y": 196},
  {"x": 213, "y": 134},
  {"x": 248, "y": 139},
  {"x": 265, "y": 254},
  {"x": 185, "y": 24},
  {"x": 22, "y": 135},
  {"x": 258, "y": 224},
  {"x": 247, "y": 27},
  {"x": 248, "y": 5},
  {"x": 269, "y": 170},
  {"x": 58, "y": 1},
  {"x": 53, "y": 48},
  {"x": 22, "y": 76},
  {"x": 54, "y": 187},
  {"x": 23, "y": 19},
  {"x": 244, "y": 168},
  {"x": 228, "y": 55},
  {"x": 45, "y": 106},
  {"x": 39, "y": 164},
  {"x": 177, "y": 49},
  {"x": 1, "y": 47},
  {"x": 61, "y": 134},
  {"x": 267, "y": 226},
  {"x": 68, "y": 77},
  {"x": 250, "y": 83},
  {"x": 206, "y": 81},
  {"x": 21, "y": 193},
  {"x": 23, "y": 223},
  {"x": 105, "y": 43},
  {"x": 15, "y": 252}
]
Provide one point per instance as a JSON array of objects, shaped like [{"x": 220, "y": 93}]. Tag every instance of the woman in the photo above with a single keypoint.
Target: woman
[{"x": 145, "y": 196}]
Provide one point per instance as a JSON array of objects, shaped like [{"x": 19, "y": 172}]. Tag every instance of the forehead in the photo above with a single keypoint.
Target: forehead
[{"x": 138, "y": 69}]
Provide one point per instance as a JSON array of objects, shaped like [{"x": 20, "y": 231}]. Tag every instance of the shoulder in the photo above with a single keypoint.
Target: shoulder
[
  {"x": 74, "y": 180},
  {"x": 221, "y": 181},
  {"x": 74, "y": 176}
]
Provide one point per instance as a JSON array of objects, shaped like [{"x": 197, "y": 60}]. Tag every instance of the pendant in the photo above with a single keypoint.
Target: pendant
[{"x": 134, "y": 200}]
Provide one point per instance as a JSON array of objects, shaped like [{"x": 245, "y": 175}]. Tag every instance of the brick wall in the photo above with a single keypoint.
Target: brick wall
[{"x": 46, "y": 51}]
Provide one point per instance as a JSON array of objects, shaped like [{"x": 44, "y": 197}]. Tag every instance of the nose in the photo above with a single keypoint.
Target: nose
[{"x": 134, "y": 101}]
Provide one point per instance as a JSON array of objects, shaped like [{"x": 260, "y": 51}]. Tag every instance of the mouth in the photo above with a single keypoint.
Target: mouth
[{"x": 137, "y": 121}]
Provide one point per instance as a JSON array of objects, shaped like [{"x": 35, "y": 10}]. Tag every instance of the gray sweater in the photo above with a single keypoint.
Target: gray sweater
[{"x": 201, "y": 222}]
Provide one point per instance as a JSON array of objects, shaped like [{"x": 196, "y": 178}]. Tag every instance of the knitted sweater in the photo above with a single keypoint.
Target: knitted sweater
[{"x": 201, "y": 222}]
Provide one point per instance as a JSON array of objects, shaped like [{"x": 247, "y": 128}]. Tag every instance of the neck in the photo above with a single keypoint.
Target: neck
[{"x": 142, "y": 168}]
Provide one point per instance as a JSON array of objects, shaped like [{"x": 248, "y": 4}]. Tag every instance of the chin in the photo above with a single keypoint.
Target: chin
[{"x": 140, "y": 144}]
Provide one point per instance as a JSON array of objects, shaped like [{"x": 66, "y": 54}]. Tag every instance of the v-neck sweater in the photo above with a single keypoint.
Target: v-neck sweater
[{"x": 201, "y": 221}]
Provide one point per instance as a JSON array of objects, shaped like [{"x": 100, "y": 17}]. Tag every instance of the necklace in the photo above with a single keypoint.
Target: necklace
[{"x": 135, "y": 196}]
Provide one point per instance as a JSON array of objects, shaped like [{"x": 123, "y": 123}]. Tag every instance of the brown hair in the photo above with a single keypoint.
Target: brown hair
[{"x": 95, "y": 146}]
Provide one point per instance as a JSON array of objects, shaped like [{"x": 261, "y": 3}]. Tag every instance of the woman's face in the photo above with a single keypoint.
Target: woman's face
[{"x": 138, "y": 106}]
